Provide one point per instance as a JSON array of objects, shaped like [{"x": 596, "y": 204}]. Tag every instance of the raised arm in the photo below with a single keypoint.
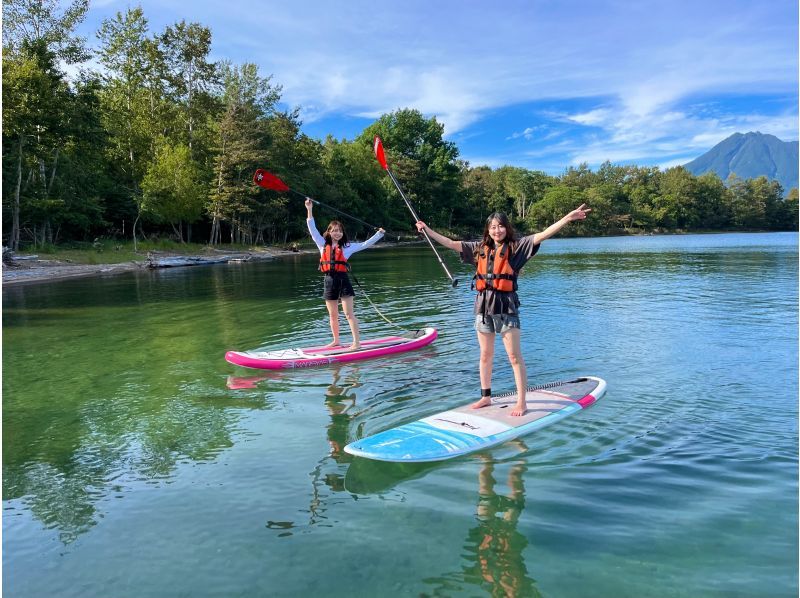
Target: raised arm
[
  {"x": 576, "y": 214},
  {"x": 354, "y": 247},
  {"x": 441, "y": 239},
  {"x": 319, "y": 240}
]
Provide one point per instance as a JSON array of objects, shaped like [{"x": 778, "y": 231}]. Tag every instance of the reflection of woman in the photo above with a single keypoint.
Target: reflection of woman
[
  {"x": 338, "y": 402},
  {"x": 497, "y": 544}
]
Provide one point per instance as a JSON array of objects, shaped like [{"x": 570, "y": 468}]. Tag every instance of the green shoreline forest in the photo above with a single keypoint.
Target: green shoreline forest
[{"x": 164, "y": 142}]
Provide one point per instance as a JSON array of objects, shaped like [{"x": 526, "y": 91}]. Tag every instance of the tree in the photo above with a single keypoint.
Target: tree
[
  {"x": 478, "y": 185},
  {"x": 517, "y": 189},
  {"x": 35, "y": 99},
  {"x": 712, "y": 202},
  {"x": 790, "y": 212},
  {"x": 32, "y": 22},
  {"x": 676, "y": 201},
  {"x": 354, "y": 184},
  {"x": 580, "y": 178},
  {"x": 131, "y": 98},
  {"x": 190, "y": 74},
  {"x": 171, "y": 189},
  {"x": 423, "y": 161},
  {"x": 641, "y": 188},
  {"x": 242, "y": 138},
  {"x": 748, "y": 202},
  {"x": 36, "y": 34},
  {"x": 558, "y": 200}
]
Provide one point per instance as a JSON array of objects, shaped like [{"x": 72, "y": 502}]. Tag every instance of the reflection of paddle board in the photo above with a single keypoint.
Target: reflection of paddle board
[
  {"x": 314, "y": 356},
  {"x": 464, "y": 430}
]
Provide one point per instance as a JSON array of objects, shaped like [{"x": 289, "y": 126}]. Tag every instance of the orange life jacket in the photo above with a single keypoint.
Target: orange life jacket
[
  {"x": 494, "y": 271},
  {"x": 337, "y": 263}
]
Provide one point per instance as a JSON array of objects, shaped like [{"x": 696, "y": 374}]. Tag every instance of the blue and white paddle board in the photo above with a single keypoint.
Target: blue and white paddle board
[{"x": 465, "y": 430}]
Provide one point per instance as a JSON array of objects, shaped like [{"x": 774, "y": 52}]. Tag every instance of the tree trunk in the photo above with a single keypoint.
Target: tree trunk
[
  {"x": 43, "y": 176},
  {"x": 178, "y": 230},
  {"x": 215, "y": 232},
  {"x": 53, "y": 172},
  {"x": 134, "y": 232},
  {"x": 14, "y": 241}
]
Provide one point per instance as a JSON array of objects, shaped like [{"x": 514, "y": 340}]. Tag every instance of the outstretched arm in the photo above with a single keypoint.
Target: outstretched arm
[
  {"x": 319, "y": 240},
  {"x": 576, "y": 214},
  {"x": 441, "y": 239},
  {"x": 354, "y": 247}
]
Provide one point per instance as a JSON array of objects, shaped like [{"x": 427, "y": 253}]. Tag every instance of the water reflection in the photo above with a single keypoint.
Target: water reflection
[
  {"x": 327, "y": 477},
  {"x": 495, "y": 545},
  {"x": 494, "y": 548},
  {"x": 117, "y": 421},
  {"x": 339, "y": 400},
  {"x": 112, "y": 445}
]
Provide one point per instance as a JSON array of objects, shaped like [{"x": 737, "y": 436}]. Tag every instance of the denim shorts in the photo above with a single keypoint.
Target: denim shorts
[
  {"x": 337, "y": 286},
  {"x": 499, "y": 323}
]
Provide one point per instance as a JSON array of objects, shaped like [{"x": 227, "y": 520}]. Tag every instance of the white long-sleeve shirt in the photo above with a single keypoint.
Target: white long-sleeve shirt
[{"x": 349, "y": 249}]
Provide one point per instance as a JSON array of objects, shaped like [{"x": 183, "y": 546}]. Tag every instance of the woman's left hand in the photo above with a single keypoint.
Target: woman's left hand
[
  {"x": 380, "y": 230},
  {"x": 579, "y": 213}
]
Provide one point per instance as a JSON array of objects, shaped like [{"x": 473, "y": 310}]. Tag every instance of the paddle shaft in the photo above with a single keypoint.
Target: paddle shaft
[
  {"x": 454, "y": 281},
  {"x": 334, "y": 209}
]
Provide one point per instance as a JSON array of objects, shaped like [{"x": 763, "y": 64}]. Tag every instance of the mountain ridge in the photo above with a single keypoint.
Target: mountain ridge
[{"x": 751, "y": 155}]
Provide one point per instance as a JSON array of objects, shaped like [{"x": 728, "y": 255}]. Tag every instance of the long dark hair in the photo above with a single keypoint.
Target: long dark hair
[
  {"x": 511, "y": 234},
  {"x": 329, "y": 241}
]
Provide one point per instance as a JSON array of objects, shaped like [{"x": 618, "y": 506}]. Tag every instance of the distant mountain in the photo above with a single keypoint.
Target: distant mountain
[{"x": 751, "y": 155}]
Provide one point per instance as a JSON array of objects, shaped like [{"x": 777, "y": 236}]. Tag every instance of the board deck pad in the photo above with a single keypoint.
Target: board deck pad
[
  {"x": 464, "y": 430},
  {"x": 316, "y": 356}
]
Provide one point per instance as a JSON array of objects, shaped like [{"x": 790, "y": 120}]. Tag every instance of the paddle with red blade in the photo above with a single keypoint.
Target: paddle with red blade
[
  {"x": 381, "y": 156},
  {"x": 267, "y": 180}
]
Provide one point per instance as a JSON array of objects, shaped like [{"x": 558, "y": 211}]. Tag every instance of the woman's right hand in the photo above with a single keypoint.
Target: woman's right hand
[
  {"x": 309, "y": 204},
  {"x": 421, "y": 226}
]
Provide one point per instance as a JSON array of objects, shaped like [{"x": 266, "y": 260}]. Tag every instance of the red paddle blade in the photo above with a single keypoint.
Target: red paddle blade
[
  {"x": 378, "y": 147},
  {"x": 265, "y": 179}
]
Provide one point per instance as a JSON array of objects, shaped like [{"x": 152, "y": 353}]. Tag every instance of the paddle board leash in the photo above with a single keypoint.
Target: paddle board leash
[
  {"x": 267, "y": 180},
  {"x": 381, "y": 156},
  {"x": 539, "y": 387},
  {"x": 375, "y": 307}
]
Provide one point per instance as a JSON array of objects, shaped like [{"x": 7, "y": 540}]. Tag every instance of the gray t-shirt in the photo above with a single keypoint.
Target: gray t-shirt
[{"x": 489, "y": 301}]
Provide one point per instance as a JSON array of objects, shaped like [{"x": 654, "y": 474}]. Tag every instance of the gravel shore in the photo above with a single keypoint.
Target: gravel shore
[{"x": 47, "y": 270}]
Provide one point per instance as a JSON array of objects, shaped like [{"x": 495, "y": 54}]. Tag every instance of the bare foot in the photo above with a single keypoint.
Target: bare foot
[
  {"x": 519, "y": 409},
  {"x": 335, "y": 343},
  {"x": 484, "y": 402},
  {"x": 355, "y": 346}
]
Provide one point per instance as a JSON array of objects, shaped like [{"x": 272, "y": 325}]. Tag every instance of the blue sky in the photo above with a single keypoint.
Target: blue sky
[{"x": 538, "y": 84}]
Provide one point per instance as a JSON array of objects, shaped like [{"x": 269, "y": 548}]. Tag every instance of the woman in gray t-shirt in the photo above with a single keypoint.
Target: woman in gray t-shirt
[{"x": 496, "y": 310}]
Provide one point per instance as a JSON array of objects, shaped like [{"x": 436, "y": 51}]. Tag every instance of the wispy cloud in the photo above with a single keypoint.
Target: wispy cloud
[{"x": 640, "y": 66}]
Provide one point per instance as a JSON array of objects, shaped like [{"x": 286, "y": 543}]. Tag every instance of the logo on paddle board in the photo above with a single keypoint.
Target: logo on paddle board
[{"x": 308, "y": 364}]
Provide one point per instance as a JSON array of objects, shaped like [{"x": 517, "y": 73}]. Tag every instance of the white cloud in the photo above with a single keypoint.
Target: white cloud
[{"x": 641, "y": 63}]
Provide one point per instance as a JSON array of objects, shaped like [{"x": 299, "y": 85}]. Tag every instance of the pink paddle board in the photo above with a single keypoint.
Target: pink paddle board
[{"x": 316, "y": 356}]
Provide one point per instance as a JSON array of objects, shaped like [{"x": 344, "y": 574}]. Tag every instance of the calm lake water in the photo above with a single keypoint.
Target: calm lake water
[{"x": 137, "y": 462}]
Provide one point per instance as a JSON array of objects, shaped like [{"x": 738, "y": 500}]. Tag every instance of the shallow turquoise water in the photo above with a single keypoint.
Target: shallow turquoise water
[{"x": 137, "y": 462}]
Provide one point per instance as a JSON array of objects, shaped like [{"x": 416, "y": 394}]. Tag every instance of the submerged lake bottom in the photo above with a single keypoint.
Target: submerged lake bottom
[{"x": 137, "y": 462}]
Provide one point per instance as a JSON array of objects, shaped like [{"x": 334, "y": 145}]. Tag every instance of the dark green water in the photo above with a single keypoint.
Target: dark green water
[{"x": 137, "y": 462}]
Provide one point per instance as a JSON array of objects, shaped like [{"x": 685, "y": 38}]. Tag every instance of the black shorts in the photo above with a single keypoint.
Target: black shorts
[{"x": 337, "y": 286}]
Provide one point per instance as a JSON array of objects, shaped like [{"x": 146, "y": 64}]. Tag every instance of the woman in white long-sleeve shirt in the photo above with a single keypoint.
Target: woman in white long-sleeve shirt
[{"x": 335, "y": 249}]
